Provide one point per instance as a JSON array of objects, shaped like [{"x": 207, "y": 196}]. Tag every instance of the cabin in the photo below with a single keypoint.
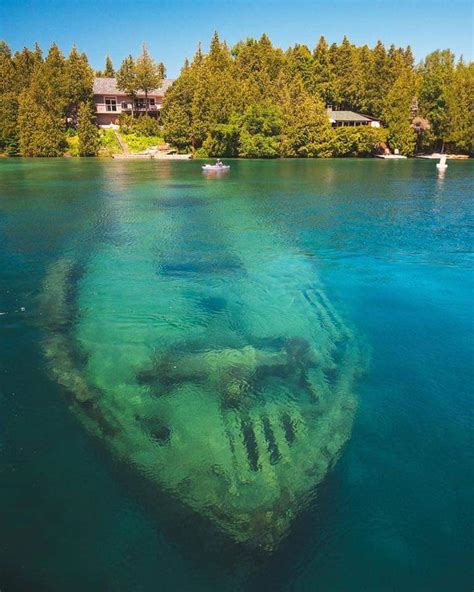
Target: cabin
[
  {"x": 109, "y": 101},
  {"x": 350, "y": 119}
]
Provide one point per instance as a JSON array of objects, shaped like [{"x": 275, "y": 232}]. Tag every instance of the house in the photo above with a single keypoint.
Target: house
[
  {"x": 350, "y": 119},
  {"x": 109, "y": 101}
]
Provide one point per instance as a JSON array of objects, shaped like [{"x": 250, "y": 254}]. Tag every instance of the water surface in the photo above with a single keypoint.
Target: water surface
[{"x": 390, "y": 245}]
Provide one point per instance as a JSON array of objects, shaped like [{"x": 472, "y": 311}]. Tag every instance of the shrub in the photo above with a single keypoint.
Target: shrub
[
  {"x": 108, "y": 143},
  {"x": 143, "y": 125},
  {"x": 200, "y": 153},
  {"x": 138, "y": 143}
]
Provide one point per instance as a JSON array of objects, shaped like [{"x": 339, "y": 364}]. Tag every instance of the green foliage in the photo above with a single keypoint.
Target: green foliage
[
  {"x": 72, "y": 144},
  {"x": 147, "y": 72},
  {"x": 176, "y": 126},
  {"x": 147, "y": 126},
  {"x": 260, "y": 127},
  {"x": 78, "y": 80},
  {"x": 42, "y": 132},
  {"x": 109, "y": 144},
  {"x": 109, "y": 71},
  {"x": 88, "y": 132},
  {"x": 223, "y": 140},
  {"x": 357, "y": 141},
  {"x": 250, "y": 100},
  {"x": 306, "y": 128},
  {"x": 437, "y": 76},
  {"x": 8, "y": 121},
  {"x": 138, "y": 143},
  {"x": 127, "y": 78},
  {"x": 144, "y": 125},
  {"x": 397, "y": 113},
  {"x": 461, "y": 109},
  {"x": 201, "y": 153}
]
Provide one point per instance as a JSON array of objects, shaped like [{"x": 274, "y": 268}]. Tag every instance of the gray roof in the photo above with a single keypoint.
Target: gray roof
[
  {"x": 348, "y": 116},
  {"x": 108, "y": 86}
]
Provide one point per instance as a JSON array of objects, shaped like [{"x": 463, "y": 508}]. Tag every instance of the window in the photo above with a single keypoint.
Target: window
[
  {"x": 151, "y": 101},
  {"x": 110, "y": 104}
]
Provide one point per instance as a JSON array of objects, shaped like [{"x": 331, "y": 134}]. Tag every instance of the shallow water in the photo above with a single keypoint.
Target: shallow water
[{"x": 166, "y": 259}]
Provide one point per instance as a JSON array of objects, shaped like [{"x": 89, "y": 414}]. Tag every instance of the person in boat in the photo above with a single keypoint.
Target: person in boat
[{"x": 219, "y": 162}]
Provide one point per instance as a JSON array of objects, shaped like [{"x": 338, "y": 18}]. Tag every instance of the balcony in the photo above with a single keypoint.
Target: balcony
[
  {"x": 125, "y": 108},
  {"x": 139, "y": 107}
]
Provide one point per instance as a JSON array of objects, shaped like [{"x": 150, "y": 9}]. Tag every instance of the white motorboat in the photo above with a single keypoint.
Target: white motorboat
[{"x": 219, "y": 168}]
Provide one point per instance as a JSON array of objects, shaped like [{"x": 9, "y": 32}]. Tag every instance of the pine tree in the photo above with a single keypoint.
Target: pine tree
[{"x": 89, "y": 138}]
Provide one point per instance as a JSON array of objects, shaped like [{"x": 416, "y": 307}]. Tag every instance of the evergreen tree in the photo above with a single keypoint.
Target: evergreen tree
[
  {"x": 25, "y": 63},
  {"x": 306, "y": 130},
  {"x": 109, "y": 71},
  {"x": 176, "y": 128},
  {"x": 322, "y": 78},
  {"x": 127, "y": 79},
  {"x": 48, "y": 86},
  {"x": 79, "y": 78},
  {"x": 9, "y": 123},
  {"x": 89, "y": 138},
  {"x": 41, "y": 132},
  {"x": 200, "y": 107},
  {"x": 260, "y": 127},
  {"x": 437, "y": 76},
  {"x": 148, "y": 73},
  {"x": 42, "y": 108},
  {"x": 378, "y": 80},
  {"x": 254, "y": 100},
  {"x": 5, "y": 50},
  {"x": 461, "y": 108},
  {"x": 7, "y": 70},
  {"x": 397, "y": 113}
]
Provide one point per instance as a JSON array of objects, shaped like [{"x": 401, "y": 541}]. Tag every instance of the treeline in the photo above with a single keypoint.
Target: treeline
[
  {"x": 251, "y": 100},
  {"x": 41, "y": 97},
  {"x": 46, "y": 99},
  {"x": 255, "y": 100}
]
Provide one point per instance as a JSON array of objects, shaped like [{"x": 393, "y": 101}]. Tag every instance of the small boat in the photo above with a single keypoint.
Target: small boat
[
  {"x": 220, "y": 168},
  {"x": 441, "y": 165}
]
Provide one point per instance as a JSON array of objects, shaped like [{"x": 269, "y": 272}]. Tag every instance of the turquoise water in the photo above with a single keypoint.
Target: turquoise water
[{"x": 113, "y": 273}]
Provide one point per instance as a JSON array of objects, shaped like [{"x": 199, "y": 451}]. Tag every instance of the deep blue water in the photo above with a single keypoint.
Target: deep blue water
[{"x": 392, "y": 245}]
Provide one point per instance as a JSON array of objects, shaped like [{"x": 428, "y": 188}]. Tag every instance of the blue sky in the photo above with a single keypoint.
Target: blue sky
[{"x": 173, "y": 29}]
